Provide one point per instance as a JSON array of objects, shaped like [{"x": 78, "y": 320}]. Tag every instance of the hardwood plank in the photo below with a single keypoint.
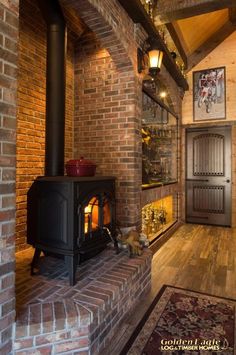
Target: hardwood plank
[
  {"x": 201, "y": 258},
  {"x": 230, "y": 281}
]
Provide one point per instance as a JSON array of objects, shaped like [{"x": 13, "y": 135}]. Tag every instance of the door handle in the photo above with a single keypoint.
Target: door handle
[{"x": 227, "y": 180}]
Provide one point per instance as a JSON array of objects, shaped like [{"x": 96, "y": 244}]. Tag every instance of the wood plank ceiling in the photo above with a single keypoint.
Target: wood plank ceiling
[{"x": 197, "y": 27}]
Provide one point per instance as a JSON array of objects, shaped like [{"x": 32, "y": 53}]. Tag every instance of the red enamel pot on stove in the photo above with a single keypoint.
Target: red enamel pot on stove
[{"x": 80, "y": 167}]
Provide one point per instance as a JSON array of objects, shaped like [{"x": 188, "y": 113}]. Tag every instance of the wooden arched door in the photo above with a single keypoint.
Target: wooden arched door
[{"x": 208, "y": 176}]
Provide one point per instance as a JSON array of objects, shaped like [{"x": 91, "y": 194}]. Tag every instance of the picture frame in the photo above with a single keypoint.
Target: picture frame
[{"x": 209, "y": 94}]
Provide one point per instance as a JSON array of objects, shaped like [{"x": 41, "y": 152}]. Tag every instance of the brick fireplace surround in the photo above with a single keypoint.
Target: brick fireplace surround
[
  {"x": 54, "y": 318},
  {"x": 103, "y": 123}
]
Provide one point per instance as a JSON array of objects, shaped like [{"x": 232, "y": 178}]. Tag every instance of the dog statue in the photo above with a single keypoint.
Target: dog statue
[{"x": 132, "y": 240}]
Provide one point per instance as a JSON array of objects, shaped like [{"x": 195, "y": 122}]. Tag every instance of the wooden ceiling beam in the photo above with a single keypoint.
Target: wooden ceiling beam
[
  {"x": 209, "y": 45},
  {"x": 171, "y": 10},
  {"x": 178, "y": 42},
  {"x": 138, "y": 14},
  {"x": 232, "y": 15}
]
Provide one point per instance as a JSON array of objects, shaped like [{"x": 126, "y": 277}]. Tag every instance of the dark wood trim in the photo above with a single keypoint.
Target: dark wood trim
[
  {"x": 232, "y": 15},
  {"x": 201, "y": 52},
  {"x": 174, "y": 35},
  {"x": 206, "y": 125},
  {"x": 169, "y": 11},
  {"x": 137, "y": 13}
]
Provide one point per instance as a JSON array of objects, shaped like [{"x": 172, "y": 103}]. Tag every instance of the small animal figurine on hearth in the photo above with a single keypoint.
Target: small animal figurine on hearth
[{"x": 132, "y": 240}]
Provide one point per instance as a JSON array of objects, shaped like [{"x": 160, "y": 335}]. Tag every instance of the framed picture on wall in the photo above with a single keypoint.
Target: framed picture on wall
[{"x": 209, "y": 94}]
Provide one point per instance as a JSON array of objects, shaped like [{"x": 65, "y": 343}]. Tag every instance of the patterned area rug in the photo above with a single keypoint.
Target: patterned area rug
[{"x": 185, "y": 322}]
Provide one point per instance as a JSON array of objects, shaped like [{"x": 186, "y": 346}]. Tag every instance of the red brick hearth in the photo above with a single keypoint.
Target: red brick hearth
[
  {"x": 76, "y": 81},
  {"x": 54, "y": 318},
  {"x": 103, "y": 121}
]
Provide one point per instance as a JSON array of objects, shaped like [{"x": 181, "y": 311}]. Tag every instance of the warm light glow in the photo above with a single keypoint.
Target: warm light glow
[
  {"x": 88, "y": 209},
  {"x": 91, "y": 215},
  {"x": 106, "y": 214},
  {"x": 163, "y": 94},
  {"x": 150, "y": 59},
  {"x": 158, "y": 216},
  {"x": 155, "y": 59}
]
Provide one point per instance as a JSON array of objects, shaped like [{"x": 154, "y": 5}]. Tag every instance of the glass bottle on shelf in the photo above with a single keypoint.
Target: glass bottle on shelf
[{"x": 159, "y": 144}]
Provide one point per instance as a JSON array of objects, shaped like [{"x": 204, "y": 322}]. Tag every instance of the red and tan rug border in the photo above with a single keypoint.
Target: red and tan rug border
[{"x": 147, "y": 314}]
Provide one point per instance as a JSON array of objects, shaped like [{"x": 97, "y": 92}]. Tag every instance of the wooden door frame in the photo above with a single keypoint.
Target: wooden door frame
[{"x": 183, "y": 136}]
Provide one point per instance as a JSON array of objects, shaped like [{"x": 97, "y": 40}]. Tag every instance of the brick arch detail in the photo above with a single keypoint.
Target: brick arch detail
[
  {"x": 116, "y": 105},
  {"x": 106, "y": 20}
]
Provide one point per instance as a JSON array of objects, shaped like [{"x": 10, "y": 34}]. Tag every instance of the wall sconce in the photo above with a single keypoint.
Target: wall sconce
[{"x": 150, "y": 58}]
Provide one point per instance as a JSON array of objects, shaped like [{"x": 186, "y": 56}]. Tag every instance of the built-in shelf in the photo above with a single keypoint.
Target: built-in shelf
[
  {"x": 158, "y": 184},
  {"x": 159, "y": 144},
  {"x": 158, "y": 216},
  {"x": 159, "y": 101},
  {"x": 165, "y": 228},
  {"x": 137, "y": 13}
]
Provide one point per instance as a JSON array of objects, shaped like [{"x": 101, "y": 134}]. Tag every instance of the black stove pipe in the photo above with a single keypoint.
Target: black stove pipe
[{"x": 55, "y": 87}]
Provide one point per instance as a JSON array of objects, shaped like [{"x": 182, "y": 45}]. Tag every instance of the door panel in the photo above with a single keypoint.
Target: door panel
[
  {"x": 208, "y": 183},
  {"x": 208, "y": 150}
]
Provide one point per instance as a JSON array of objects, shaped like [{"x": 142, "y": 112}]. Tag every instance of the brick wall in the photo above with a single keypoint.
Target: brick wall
[
  {"x": 111, "y": 24},
  {"x": 56, "y": 319},
  {"x": 118, "y": 107},
  {"x": 107, "y": 130},
  {"x": 31, "y": 108},
  {"x": 108, "y": 101},
  {"x": 8, "y": 72}
]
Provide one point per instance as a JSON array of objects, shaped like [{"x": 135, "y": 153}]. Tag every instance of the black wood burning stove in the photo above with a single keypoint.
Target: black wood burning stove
[
  {"x": 67, "y": 216},
  {"x": 70, "y": 216}
]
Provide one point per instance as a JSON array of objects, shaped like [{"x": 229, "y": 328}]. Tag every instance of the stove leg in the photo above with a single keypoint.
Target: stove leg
[
  {"x": 71, "y": 262},
  {"x": 116, "y": 246},
  {"x": 35, "y": 260}
]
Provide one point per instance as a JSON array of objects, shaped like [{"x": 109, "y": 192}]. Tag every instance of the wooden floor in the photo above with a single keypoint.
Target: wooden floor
[{"x": 196, "y": 257}]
